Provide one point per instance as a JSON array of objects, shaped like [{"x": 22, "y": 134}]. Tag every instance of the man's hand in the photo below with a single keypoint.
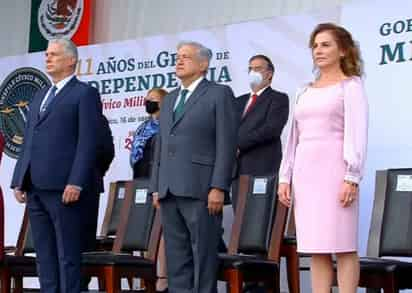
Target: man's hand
[
  {"x": 71, "y": 194},
  {"x": 19, "y": 195},
  {"x": 215, "y": 201},
  {"x": 155, "y": 200}
]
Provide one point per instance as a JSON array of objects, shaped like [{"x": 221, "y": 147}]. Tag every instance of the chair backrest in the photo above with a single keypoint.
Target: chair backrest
[
  {"x": 259, "y": 222},
  {"x": 114, "y": 205},
  {"x": 390, "y": 232},
  {"x": 28, "y": 243},
  {"x": 24, "y": 240},
  {"x": 139, "y": 228}
]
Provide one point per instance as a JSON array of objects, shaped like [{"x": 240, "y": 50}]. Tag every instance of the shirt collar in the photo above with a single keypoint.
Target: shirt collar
[
  {"x": 259, "y": 92},
  {"x": 191, "y": 88},
  {"x": 59, "y": 85}
]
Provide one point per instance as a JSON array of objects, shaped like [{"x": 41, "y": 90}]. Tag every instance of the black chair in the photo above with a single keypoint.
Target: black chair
[
  {"x": 288, "y": 250},
  {"x": 139, "y": 229},
  {"x": 390, "y": 234},
  {"x": 112, "y": 216},
  {"x": 18, "y": 263},
  {"x": 256, "y": 237}
]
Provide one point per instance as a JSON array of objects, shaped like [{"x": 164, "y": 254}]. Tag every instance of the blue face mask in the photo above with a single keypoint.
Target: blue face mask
[{"x": 255, "y": 79}]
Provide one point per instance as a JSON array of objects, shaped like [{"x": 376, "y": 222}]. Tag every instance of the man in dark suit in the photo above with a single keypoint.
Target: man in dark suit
[
  {"x": 56, "y": 170},
  {"x": 262, "y": 114},
  {"x": 105, "y": 156},
  {"x": 194, "y": 157},
  {"x": 105, "y": 151}
]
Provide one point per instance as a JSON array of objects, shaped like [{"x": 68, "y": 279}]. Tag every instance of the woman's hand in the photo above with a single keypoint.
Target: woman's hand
[
  {"x": 284, "y": 194},
  {"x": 155, "y": 200},
  {"x": 349, "y": 193}
]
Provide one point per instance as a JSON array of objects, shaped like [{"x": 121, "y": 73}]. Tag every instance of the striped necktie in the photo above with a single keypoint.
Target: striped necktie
[{"x": 49, "y": 99}]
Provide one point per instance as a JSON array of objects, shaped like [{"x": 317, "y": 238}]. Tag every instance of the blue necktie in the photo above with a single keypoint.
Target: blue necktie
[{"x": 49, "y": 99}]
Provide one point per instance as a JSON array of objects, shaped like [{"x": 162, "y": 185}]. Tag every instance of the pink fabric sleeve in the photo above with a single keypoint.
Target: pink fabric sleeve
[
  {"x": 355, "y": 129},
  {"x": 288, "y": 157}
]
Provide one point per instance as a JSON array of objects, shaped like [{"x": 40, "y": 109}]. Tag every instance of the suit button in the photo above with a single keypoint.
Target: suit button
[{"x": 173, "y": 134}]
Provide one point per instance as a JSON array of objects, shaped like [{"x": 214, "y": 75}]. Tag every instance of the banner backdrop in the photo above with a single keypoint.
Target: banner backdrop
[
  {"x": 124, "y": 71},
  {"x": 386, "y": 43}
]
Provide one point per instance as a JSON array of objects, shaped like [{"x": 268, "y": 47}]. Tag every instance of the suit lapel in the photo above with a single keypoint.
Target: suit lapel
[
  {"x": 193, "y": 98},
  {"x": 58, "y": 98},
  {"x": 35, "y": 105},
  {"x": 260, "y": 99},
  {"x": 170, "y": 106}
]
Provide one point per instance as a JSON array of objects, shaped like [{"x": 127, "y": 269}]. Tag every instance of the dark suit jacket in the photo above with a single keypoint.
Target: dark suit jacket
[
  {"x": 196, "y": 152},
  {"x": 60, "y": 147},
  {"x": 143, "y": 167},
  {"x": 259, "y": 133},
  {"x": 105, "y": 151}
]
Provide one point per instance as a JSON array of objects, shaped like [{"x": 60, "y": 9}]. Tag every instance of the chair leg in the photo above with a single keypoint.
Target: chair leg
[
  {"x": 150, "y": 286},
  {"x": 112, "y": 280},
  {"x": 100, "y": 283},
  {"x": 235, "y": 281},
  {"x": 391, "y": 286},
  {"x": 18, "y": 284},
  {"x": 130, "y": 282},
  {"x": 292, "y": 268},
  {"x": 274, "y": 285},
  {"x": 5, "y": 281}
]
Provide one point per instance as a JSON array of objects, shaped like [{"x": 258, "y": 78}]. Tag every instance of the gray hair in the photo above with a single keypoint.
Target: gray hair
[
  {"x": 69, "y": 47},
  {"x": 204, "y": 53}
]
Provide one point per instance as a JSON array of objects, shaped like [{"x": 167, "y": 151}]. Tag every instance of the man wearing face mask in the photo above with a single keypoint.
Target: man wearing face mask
[
  {"x": 262, "y": 114},
  {"x": 141, "y": 156}
]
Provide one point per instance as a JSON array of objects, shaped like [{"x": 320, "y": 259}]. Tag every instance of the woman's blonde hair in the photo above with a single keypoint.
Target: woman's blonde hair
[{"x": 161, "y": 92}]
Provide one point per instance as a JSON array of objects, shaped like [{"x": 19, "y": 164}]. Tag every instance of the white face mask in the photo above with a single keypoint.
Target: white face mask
[{"x": 255, "y": 79}]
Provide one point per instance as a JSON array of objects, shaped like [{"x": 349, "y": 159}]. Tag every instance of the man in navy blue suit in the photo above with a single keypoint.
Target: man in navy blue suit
[{"x": 56, "y": 170}]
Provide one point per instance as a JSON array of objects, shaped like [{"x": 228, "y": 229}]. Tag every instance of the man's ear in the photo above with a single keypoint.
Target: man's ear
[
  {"x": 73, "y": 62},
  {"x": 204, "y": 65}
]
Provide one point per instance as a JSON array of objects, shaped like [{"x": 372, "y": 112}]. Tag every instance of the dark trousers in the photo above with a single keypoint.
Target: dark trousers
[
  {"x": 90, "y": 216},
  {"x": 91, "y": 213},
  {"x": 191, "y": 237},
  {"x": 56, "y": 230}
]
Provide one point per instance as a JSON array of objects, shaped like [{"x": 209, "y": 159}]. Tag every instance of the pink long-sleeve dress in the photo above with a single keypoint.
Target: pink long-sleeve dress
[{"x": 326, "y": 145}]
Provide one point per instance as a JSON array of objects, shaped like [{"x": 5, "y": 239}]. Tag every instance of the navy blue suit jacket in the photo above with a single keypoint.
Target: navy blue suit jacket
[
  {"x": 105, "y": 151},
  {"x": 60, "y": 147}
]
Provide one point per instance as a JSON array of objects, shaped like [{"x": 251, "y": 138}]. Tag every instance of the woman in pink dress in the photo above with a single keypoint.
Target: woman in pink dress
[{"x": 324, "y": 159}]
